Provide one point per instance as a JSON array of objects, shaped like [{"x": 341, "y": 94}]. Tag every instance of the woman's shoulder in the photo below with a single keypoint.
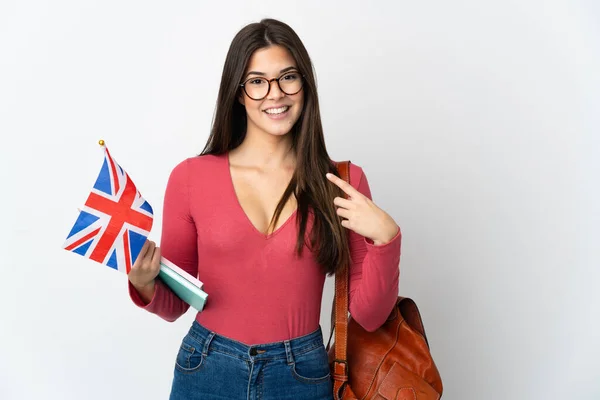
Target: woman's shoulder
[
  {"x": 204, "y": 161},
  {"x": 203, "y": 165}
]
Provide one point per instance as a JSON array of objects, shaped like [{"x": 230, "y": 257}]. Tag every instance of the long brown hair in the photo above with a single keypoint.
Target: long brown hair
[{"x": 328, "y": 239}]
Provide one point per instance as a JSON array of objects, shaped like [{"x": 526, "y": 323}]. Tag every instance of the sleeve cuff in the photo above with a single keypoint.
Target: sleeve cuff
[
  {"x": 392, "y": 244},
  {"x": 137, "y": 300}
]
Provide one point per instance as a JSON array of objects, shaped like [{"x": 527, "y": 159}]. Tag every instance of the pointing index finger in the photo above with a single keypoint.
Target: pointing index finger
[{"x": 342, "y": 184}]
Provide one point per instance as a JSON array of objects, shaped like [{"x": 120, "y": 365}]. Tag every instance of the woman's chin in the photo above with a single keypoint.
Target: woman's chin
[{"x": 279, "y": 129}]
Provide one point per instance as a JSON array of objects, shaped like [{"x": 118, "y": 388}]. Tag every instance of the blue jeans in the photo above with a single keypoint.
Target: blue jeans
[{"x": 210, "y": 366}]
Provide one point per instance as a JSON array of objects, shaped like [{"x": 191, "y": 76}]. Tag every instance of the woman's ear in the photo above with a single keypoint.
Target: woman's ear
[{"x": 241, "y": 98}]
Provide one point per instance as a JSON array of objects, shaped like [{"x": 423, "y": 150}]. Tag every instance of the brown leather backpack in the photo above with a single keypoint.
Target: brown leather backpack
[{"x": 392, "y": 363}]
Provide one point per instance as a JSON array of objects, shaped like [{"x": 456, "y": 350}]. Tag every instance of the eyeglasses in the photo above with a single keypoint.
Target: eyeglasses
[{"x": 258, "y": 88}]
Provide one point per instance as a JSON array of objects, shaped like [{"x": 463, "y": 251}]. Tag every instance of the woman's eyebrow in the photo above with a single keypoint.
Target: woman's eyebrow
[{"x": 263, "y": 74}]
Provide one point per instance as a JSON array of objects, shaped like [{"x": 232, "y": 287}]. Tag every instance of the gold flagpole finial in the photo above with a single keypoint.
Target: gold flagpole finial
[{"x": 101, "y": 142}]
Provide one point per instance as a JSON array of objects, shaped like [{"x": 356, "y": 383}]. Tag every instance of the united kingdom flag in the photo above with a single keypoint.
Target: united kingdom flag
[{"x": 115, "y": 221}]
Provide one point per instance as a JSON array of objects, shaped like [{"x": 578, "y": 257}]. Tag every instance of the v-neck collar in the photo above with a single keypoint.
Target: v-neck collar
[{"x": 241, "y": 209}]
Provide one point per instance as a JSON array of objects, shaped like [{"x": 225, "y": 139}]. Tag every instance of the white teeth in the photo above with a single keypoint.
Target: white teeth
[{"x": 277, "y": 110}]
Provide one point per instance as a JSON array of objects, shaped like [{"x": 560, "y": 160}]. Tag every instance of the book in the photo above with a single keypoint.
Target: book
[{"x": 184, "y": 285}]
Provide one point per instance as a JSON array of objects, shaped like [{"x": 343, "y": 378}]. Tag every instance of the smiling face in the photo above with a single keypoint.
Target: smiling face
[{"x": 276, "y": 113}]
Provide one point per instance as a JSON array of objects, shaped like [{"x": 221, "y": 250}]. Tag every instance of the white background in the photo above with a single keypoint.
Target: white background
[{"x": 476, "y": 123}]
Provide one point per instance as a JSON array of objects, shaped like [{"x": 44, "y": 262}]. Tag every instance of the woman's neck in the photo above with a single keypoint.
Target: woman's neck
[{"x": 264, "y": 151}]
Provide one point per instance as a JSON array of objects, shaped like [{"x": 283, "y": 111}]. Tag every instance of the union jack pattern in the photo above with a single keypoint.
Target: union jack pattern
[{"x": 115, "y": 221}]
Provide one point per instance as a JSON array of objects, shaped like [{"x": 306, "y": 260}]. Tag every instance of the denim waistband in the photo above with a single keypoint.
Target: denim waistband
[{"x": 285, "y": 349}]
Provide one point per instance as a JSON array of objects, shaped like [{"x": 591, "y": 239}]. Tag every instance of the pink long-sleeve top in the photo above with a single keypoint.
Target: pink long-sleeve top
[{"x": 259, "y": 291}]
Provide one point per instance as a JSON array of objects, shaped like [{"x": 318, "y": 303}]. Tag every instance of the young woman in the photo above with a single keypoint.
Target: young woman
[{"x": 260, "y": 217}]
